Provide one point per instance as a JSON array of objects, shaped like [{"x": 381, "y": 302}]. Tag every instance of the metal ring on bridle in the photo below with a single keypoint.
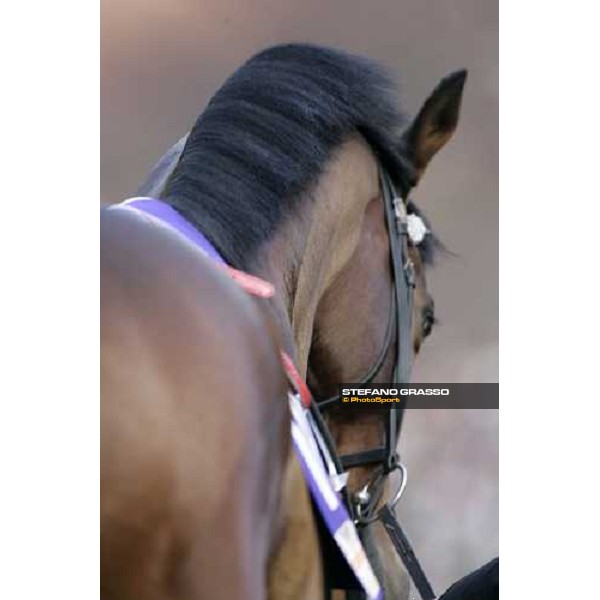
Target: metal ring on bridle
[
  {"x": 394, "y": 501},
  {"x": 366, "y": 500}
]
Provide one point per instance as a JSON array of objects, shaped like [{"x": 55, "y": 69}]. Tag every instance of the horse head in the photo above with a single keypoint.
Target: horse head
[{"x": 351, "y": 339}]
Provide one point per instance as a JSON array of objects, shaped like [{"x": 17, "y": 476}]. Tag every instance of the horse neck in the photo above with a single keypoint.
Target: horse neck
[{"x": 311, "y": 248}]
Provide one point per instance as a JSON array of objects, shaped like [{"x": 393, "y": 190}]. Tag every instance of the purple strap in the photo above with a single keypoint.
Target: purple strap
[{"x": 167, "y": 214}]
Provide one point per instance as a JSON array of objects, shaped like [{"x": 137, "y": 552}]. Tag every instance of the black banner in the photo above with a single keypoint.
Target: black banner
[{"x": 419, "y": 395}]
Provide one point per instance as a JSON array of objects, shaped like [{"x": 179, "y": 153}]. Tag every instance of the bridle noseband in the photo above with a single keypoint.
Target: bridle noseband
[{"x": 398, "y": 331}]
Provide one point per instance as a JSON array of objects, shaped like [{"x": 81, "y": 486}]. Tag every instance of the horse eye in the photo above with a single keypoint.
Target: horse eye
[{"x": 427, "y": 322}]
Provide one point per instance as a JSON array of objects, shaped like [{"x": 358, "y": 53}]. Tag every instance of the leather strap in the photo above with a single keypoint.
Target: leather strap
[
  {"x": 406, "y": 553},
  {"x": 359, "y": 459}
]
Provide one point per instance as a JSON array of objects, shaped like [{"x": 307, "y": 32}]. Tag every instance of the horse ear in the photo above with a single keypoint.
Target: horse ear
[{"x": 436, "y": 121}]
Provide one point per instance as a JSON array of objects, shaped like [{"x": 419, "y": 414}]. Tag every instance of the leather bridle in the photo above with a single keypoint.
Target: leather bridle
[
  {"x": 398, "y": 332},
  {"x": 364, "y": 504}
]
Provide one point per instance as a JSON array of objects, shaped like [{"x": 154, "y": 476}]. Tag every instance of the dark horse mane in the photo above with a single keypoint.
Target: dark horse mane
[{"x": 267, "y": 134}]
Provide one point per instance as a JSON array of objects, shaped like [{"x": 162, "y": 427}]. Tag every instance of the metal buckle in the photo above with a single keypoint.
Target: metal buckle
[
  {"x": 362, "y": 501},
  {"x": 409, "y": 271},
  {"x": 400, "y": 209}
]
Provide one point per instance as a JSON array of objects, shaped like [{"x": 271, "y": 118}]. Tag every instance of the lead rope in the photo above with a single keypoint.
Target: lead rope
[{"x": 406, "y": 552}]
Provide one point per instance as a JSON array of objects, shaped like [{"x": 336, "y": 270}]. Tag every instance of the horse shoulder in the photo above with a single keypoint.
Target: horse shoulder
[{"x": 193, "y": 416}]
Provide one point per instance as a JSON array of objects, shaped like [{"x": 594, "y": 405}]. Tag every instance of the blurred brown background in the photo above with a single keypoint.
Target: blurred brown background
[{"x": 162, "y": 61}]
